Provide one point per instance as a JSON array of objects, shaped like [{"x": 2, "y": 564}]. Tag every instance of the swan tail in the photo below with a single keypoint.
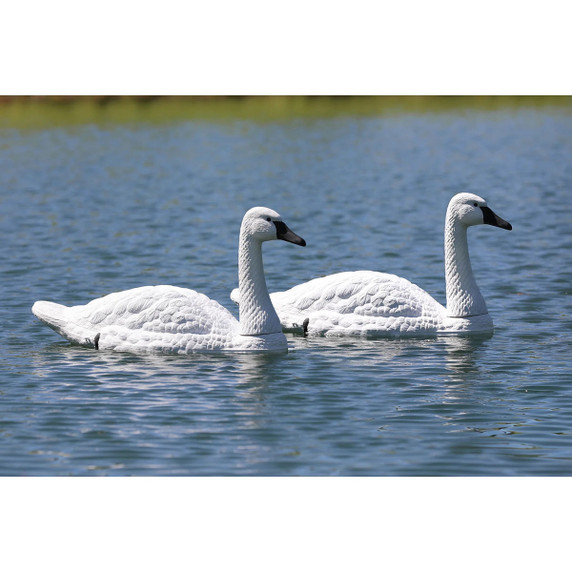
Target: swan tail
[
  {"x": 50, "y": 313},
  {"x": 57, "y": 317},
  {"x": 235, "y": 296}
]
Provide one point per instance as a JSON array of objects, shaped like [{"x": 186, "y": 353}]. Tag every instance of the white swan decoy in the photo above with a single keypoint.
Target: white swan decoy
[
  {"x": 169, "y": 319},
  {"x": 367, "y": 303}
]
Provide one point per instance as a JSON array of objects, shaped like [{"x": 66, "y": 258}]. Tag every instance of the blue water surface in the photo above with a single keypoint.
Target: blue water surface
[{"x": 93, "y": 209}]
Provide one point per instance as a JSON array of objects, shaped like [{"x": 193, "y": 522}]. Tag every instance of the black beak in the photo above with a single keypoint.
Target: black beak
[
  {"x": 489, "y": 217},
  {"x": 284, "y": 233}
]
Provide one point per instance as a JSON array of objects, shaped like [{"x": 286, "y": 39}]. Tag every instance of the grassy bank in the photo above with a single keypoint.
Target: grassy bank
[{"x": 38, "y": 112}]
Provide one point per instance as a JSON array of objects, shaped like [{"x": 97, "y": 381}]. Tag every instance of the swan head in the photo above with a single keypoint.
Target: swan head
[
  {"x": 470, "y": 209},
  {"x": 263, "y": 224}
]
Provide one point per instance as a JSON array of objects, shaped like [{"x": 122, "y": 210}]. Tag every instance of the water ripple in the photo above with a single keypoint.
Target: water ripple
[{"x": 90, "y": 210}]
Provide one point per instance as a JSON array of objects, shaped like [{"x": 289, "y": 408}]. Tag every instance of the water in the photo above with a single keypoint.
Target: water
[{"x": 88, "y": 210}]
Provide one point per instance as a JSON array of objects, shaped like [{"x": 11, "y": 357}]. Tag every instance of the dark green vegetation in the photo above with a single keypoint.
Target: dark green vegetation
[{"x": 39, "y": 111}]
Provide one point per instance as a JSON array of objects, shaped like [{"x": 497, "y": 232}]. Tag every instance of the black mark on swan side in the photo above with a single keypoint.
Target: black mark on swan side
[{"x": 96, "y": 341}]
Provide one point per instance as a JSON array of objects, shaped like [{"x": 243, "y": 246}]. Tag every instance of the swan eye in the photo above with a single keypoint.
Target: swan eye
[
  {"x": 268, "y": 219},
  {"x": 475, "y": 204}
]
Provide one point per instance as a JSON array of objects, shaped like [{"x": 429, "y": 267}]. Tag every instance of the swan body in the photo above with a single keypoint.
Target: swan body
[
  {"x": 368, "y": 303},
  {"x": 169, "y": 319}
]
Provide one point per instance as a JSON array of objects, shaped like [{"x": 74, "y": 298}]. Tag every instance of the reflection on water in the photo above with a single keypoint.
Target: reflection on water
[{"x": 462, "y": 355}]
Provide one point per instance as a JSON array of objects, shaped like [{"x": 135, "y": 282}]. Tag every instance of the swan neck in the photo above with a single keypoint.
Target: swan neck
[
  {"x": 464, "y": 298},
  {"x": 256, "y": 312}
]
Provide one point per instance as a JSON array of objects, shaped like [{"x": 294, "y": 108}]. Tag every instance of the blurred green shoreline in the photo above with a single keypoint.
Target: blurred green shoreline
[{"x": 50, "y": 111}]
